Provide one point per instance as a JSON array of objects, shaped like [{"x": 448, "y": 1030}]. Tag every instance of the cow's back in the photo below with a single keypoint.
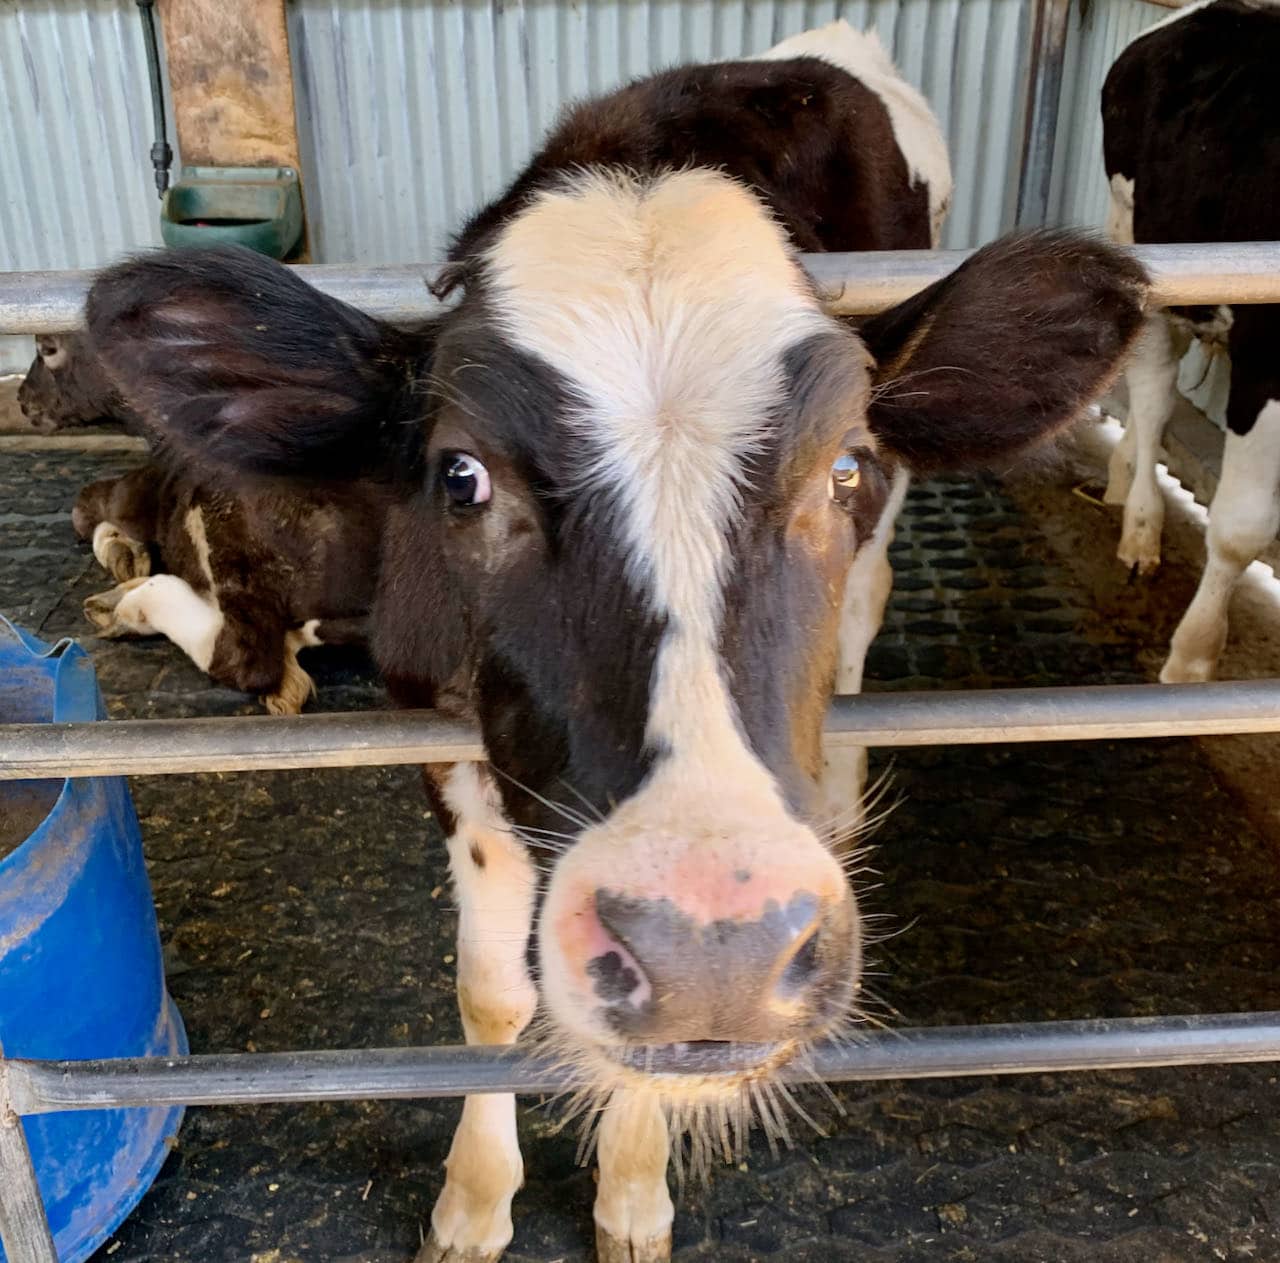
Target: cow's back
[
  {"x": 1191, "y": 116},
  {"x": 816, "y": 142}
]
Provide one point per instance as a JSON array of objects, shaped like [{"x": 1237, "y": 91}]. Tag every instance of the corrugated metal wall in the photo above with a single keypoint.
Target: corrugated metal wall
[
  {"x": 414, "y": 113},
  {"x": 75, "y": 137},
  {"x": 75, "y": 134}
]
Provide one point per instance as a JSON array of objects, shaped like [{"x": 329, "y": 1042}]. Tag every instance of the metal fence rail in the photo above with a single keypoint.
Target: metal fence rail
[
  {"x": 859, "y": 284},
  {"x": 963, "y": 717},
  {"x": 33, "y": 1087},
  {"x": 386, "y": 1074}
]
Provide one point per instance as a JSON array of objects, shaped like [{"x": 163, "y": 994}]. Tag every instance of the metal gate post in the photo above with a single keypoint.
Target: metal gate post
[
  {"x": 1048, "y": 51},
  {"x": 24, "y": 1227}
]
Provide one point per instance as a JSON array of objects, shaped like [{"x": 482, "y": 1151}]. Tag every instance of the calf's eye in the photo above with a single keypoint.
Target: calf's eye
[
  {"x": 465, "y": 479},
  {"x": 846, "y": 477}
]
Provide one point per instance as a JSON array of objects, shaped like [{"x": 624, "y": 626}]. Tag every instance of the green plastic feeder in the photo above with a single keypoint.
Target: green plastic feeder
[{"x": 258, "y": 207}]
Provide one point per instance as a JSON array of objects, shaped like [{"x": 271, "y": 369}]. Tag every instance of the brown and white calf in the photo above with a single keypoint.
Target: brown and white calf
[
  {"x": 245, "y": 577},
  {"x": 1189, "y": 114},
  {"x": 638, "y": 461},
  {"x": 249, "y": 576}
]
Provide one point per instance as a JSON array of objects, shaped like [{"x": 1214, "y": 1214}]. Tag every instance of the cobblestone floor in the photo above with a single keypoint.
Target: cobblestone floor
[{"x": 306, "y": 910}]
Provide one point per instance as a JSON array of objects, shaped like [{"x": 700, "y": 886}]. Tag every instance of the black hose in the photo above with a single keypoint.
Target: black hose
[{"x": 161, "y": 154}]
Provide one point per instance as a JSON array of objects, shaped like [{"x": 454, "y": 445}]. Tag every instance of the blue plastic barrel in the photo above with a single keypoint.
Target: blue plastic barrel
[{"x": 81, "y": 975}]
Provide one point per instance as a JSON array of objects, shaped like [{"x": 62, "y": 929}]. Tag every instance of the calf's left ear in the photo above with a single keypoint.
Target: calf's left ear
[{"x": 1007, "y": 349}]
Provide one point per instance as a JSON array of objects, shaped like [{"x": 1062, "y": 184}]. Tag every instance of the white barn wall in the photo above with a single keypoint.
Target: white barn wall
[{"x": 76, "y": 186}]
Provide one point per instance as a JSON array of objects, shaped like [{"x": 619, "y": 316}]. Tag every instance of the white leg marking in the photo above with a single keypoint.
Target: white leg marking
[
  {"x": 633, "y": 1209},
  {"x": 1152, "y": 375},
  {"x": 494, "y": 882},
  {"x": 1120, "y": 468},
  {"x": 1243, "y": 519},
  {"x": 844, "y": 768},
  {"x": 118, "y": 554},
  {"x": 162, "y": 605}
]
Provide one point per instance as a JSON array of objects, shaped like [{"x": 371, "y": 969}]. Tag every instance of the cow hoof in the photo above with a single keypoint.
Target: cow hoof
[
  {"x": 121, "y": 557},
  {"x": 1187, "y": 670},
  {"x": 433, "y": 1251},
  {"x": 611, "y": 1249},
  {"x": 100, "y": 610},
  {"x": 283, "y": 704},
  {"x": 127, "y": 559},
  {"x": 1140, "y": 556},
  {"x": 296, "y": 686}
]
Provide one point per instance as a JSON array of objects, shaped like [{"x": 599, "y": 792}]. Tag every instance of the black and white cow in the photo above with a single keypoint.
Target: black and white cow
[
  {"x": 638, "y": 463},
  {"x": 1191, "y": 126}
]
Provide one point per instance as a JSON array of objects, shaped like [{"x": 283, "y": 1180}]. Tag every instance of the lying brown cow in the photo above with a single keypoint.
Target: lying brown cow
[
  {"x": 250, "y": 577},
  {"x": 245, "y": 578},
  {"x": 638, "y": 463}
]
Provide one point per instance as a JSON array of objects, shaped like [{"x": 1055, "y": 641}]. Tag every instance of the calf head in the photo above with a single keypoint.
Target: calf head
[
  {"x": 65, "y": 385},
  {"x": 637, "y": 460}
]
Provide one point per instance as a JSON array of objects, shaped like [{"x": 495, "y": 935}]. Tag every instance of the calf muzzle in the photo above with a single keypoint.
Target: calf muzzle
[{"x": 782, "y": 974}]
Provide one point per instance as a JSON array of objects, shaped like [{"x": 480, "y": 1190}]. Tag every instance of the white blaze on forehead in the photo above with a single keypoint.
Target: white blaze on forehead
[
  {"x": 668, "y": 304},
  {"x": 915, "y": 126}
]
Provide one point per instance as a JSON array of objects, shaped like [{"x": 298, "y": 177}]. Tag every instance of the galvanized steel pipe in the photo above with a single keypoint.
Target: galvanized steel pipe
[
  {"x": 413, "y": 1073},
  {"x": 139, "y": 747},
  {"x": 858, "y": 284}
]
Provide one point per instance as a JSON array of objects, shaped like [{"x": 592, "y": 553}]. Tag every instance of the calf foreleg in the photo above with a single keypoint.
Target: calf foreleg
[
  {"x": 844, "y": 768},
  {"x": 494, "y": 883},
  {"x": 296, "y": 686},
  {"x": 633, "y": 1209},
  {"x": 162, "y": 605}
]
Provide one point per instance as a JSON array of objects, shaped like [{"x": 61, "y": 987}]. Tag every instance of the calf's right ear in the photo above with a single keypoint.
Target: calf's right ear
[{"x": 233, "y": 361}]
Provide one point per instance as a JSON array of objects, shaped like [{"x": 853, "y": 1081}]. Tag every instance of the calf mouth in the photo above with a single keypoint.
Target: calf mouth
[
  {"x": 713, "y": 1094},
  {"x": 713, "y": 1061}
]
